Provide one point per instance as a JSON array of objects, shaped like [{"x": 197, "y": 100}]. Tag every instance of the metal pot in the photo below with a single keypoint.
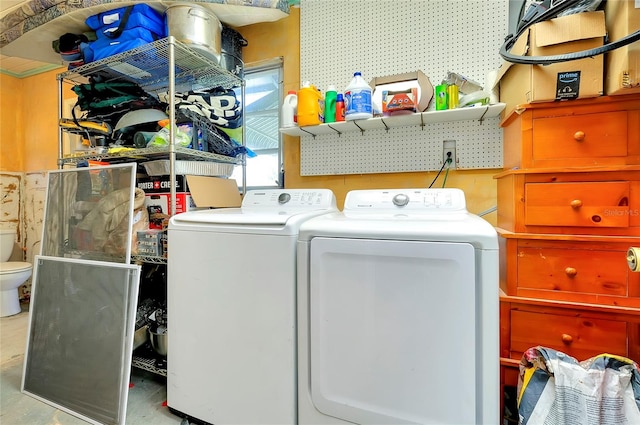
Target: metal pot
[
  {"x": 197, "y": 27},
  {"x": 159, "y": 342}
]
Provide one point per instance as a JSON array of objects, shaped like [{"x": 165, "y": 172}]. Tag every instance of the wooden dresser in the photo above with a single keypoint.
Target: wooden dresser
[{"x": 568, "y": 210}]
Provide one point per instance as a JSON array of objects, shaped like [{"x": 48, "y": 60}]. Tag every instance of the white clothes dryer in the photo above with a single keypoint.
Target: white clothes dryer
[
  {"x": 231, "y": 307},
  {"x": 398, "y": 312}
]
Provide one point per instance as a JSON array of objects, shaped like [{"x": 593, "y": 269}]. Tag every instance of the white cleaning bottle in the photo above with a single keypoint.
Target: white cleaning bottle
[
  {"x": 357, "y": 99},
  {"x": 290, "y": 109}
]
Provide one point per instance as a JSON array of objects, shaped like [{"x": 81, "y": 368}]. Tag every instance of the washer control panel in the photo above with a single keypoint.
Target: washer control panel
[
  {"x": 289, "y": 198},
  {"x": 406, "y": 200}
]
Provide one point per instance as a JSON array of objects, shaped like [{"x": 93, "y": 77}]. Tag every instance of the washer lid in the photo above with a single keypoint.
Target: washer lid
[
  {"x": 270, "y": 207},
  {"x": 240, "y": 216},
  {"x": 14, "y": 267}
]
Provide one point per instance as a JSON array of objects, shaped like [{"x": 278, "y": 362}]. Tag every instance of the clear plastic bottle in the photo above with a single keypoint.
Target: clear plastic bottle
[
  {"x": 290, "y": 110},
  {"x": 357, "y": 99},
  {"x": 330, "y": 98}
]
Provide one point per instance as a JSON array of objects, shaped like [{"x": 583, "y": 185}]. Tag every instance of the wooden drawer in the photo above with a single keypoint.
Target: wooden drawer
[
  {"x": 580, "y": 201},
  {"x": 578, "y": 337},
  {"x": 572, "y": 271},
  {"x": 590, "y": 270},
  {"x": 588, "y": 136},
  {"x": 580, "y": 330},
  {"x": 601, "y": 131},
  {"x": 592, "y": 204}
]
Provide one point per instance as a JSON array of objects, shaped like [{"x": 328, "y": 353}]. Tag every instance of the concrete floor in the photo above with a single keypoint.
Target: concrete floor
[{"x": 147, "y": 392}]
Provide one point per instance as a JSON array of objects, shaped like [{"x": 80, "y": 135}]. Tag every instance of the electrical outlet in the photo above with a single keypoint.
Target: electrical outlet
[{"x": 449, "y": 152}]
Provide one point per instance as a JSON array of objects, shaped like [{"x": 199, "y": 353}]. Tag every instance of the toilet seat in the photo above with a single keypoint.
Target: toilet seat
[{"x": 14, "y": 267}]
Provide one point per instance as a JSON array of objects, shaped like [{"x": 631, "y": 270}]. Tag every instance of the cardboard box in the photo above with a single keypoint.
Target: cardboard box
[
  {"x": 522, "y": 84},
  {"x": 400, "y": 101},
  {"x": 157, "y": 191},
  {"x": 184, "y": 203},
  {"x": 214, "y": 192},
  {"x": 622, "y": 65},
  {"x": 191, "y": 192},
  {"x": 400, "y": 82},
  {"x": 161, "y": 184}
]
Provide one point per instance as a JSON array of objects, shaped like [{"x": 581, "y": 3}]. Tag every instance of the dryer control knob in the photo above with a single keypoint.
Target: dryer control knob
[
  {"x": 284, "y": 198},
  {"x": 400, "y": 200}
]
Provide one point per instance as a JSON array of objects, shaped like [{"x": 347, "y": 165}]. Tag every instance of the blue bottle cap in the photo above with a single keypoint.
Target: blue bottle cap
[
  {"x": 339, "y": 98},
  {"x": 357, "y": 73}
]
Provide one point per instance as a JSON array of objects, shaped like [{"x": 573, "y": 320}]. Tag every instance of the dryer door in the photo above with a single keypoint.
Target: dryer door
[{"x": 393, "y": 331}]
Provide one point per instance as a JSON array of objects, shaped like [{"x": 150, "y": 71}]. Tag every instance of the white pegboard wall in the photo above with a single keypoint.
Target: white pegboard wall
[
  {"x": 402, "y": 149},
  {"x": 386, "y": 37}
]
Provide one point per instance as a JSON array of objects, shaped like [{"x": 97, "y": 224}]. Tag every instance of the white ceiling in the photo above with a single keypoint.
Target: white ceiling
[{"x": 18, "y": 67}]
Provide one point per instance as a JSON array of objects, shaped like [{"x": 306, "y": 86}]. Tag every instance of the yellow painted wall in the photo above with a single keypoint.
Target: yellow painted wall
[
  {"x": 41, "y": 121},
  {"x": 265, "y": 41},
  {"x": 11, "y": 128},
  {"x": 282, "y": 38},
  {"x": 29, "y": 122}
]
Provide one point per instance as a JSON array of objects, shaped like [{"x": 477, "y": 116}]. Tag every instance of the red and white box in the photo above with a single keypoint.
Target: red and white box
[{"x": 157, "y": 191}]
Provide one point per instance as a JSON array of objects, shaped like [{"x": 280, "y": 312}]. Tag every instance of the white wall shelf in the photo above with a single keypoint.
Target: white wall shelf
[{"x": 385, "y": 123}]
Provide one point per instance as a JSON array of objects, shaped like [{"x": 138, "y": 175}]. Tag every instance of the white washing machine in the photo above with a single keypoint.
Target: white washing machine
[
  {"x": 398, "y": 312},
  {"x": 231, "y": 303}
]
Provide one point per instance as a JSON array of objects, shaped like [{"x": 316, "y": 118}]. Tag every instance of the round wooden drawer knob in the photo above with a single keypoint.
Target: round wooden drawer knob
[
  {"x": 567, "y": 339},
  {"x": 576, "y": 203},
  {"x": 579, "y": 136},
  {"x": 570, "y": 271}
]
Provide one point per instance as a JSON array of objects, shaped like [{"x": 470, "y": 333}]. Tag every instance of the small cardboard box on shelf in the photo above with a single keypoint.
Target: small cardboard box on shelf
[
  {"x": 400, "y": 82},
  {"x": 399, "y": 101},
  {"x": 575, "y": 79}
]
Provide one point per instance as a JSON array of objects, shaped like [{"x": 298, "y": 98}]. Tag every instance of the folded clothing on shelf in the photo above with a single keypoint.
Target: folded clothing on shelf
[{"x": 218, "y": 105}]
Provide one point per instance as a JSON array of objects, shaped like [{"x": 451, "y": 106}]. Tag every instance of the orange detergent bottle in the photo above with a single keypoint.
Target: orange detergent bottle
[{"x": 310, "y": 105}]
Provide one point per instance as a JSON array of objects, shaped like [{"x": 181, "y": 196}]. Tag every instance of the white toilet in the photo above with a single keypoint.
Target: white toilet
[{"x": 12, "y": 275}]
